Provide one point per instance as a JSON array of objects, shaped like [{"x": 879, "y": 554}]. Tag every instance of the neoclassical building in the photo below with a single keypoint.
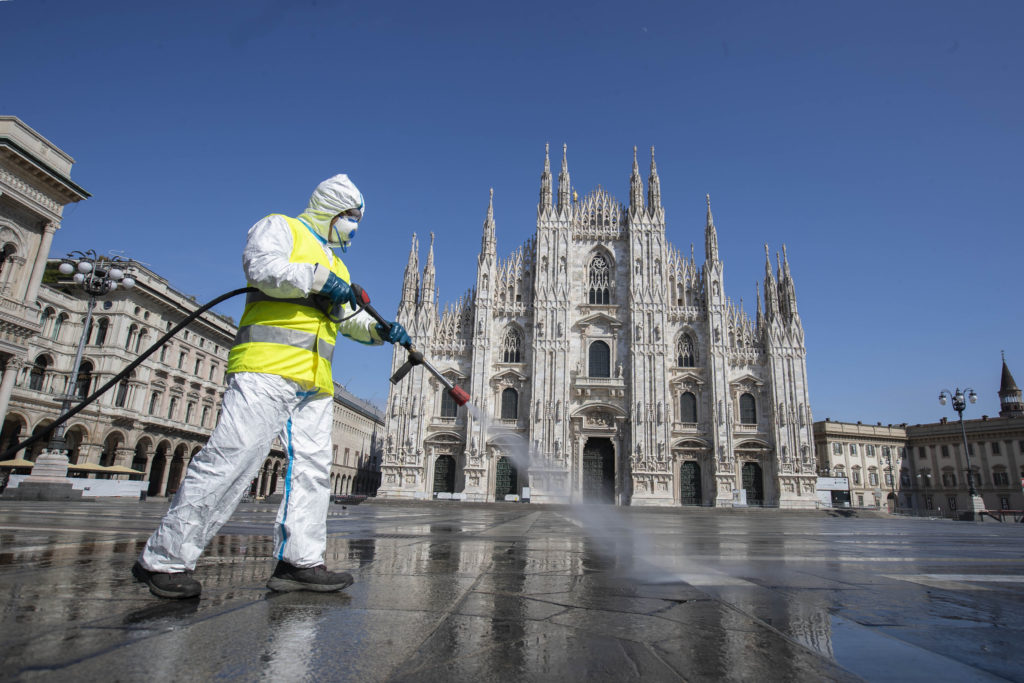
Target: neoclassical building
[
  {"x": 358, "y": 436},
  {"x": 923, "y": 468},
  {"x": 605, "y": 366},
  {"x": 156, "y": 419},
  {"x": 35, "y": 186},
  {"x": 872, "y": 459}
]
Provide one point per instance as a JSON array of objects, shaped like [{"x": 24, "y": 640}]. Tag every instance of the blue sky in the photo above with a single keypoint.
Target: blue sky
[{"x": 882, "y": 142}]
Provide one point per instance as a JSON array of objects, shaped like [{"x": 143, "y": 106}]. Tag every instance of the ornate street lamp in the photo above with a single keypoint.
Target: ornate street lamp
[
  {"x": 959, "y": 403},
  {"x": 97, "y": 276}
]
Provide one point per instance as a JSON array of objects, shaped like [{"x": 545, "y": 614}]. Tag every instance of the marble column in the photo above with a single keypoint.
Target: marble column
[
  {"x": 7, "y": 383},
  {"x": 40, "y": 263},
  {"x": 123, "y": 456}
]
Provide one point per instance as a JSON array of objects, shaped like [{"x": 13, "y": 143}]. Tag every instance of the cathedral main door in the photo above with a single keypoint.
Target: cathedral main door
[
  {"x": 444, "y": 474},
  {"x": 753, "y": 483},
  {"x": 505, "y": 477},
  {"x": 689, "y": 478},
  {"x": 598, "y": 485}
]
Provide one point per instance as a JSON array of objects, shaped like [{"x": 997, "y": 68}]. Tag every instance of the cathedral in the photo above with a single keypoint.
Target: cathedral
[{"x": 605, "y": 366}]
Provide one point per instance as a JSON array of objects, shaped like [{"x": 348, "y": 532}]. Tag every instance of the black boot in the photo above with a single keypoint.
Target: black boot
[
  {"x": 174, "y": 585},
  {"x": 289, "y": 578}
]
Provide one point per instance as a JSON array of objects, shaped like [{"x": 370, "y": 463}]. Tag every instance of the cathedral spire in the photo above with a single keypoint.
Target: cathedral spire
[
  {"x": 545, "y": 183},
  {"x": 771, "y": 290},
  {"x": 429, "y": 276},
  {"x": 1010, "y": 402},
  {"x": 411, "y": 280},
  {"x": 636, "y": 187},
  {"x": 787, "y": 286},
  {"x": 563, "y": 181},
  {"x": 653, "y": 187},
  {"x": 757, "y": 297},
  {"x": 710, "y": 236},
  {"x": 488, "y": 246}
]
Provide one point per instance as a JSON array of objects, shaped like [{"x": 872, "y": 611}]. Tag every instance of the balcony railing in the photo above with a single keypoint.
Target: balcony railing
[{"x": 584, "y": 381}]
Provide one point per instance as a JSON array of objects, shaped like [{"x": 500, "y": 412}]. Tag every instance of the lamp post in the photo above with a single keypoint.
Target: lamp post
[
  {"x": 97, "y": 276},
  {"x": 959, "y": 403}
]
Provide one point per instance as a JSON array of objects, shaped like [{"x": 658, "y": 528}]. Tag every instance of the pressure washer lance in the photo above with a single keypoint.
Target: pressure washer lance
[{"x": 458, "y": 394}]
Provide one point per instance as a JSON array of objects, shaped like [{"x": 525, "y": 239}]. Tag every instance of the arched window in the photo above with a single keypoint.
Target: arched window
[
  {"x": 600, "y": 360},
  {"x": 133, "y": 333},
  {"x": 509, "y": 404},
  {"x": 510, "y": 348},
  {"x": 142, "y": 342},
  {"x": 37, "y": 374},
  {"x": 57, "y": 325},
  {"x": 101, "y": 331},
  {"x": 599, "y": 281},
  {"x": 688, "y": 407},
  {"x": 748, "y": 410},
  {"x": 449, "y": 408},
  {"x": 9, "y": 250},
  {"x": 686, "y": 357},
  {"x": 84, "y": 379},
  {"x": 45, "y": 319},
  {"x": 122, "y": 392}
]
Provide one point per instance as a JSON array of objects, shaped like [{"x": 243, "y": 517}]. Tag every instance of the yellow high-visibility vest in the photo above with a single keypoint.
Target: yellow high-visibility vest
[{"x": 293, "y": 338}]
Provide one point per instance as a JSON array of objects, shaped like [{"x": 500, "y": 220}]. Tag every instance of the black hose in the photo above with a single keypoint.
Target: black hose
[{"x": 124, "y": 373}]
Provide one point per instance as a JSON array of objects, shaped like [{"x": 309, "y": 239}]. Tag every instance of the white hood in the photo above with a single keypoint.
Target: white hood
[{"x": 331, "y": 197}]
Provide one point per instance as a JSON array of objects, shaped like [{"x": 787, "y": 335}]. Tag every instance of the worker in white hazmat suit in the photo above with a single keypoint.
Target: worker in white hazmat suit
[{"x": 279, "y": 384}]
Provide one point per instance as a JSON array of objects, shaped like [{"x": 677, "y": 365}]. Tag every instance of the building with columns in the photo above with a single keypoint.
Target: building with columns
[
  {"x": 156, "y": 419},
  {"x": 938, "y": 467},
  {"x": 358, "y": 438},
  {"x": 35, "y": 186},
  {"x": 870, "y": 457},
  {"x": 922, "y": 468},
  {"x": 605, "y": 366},
  {"x": 152, "y": 421}
]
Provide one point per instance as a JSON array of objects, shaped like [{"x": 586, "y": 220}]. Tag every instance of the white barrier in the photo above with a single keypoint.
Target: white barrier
[{"x": 95, "y": 488}]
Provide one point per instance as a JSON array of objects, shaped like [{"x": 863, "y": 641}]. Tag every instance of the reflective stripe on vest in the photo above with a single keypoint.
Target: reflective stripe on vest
[
  {"x": 267, "y": 334},
  {"x": 292, "y": 338}
]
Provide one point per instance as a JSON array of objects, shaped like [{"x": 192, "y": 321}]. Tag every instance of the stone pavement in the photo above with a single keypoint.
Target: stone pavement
[{"x": 457, "y": 592}]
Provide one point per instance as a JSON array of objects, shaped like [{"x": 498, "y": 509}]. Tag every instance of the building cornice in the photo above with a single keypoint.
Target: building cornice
[{"x": 59, "y": 183}]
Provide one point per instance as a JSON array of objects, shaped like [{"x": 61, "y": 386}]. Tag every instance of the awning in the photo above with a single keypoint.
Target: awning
[
  {"x": 121, "y": 469},
  {"x": 88, "y": 467},
  {"x": 16, "y": 462}
]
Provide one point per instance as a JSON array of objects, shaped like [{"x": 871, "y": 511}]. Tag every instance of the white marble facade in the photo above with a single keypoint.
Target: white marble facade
[{"x": 604, "y": 366}]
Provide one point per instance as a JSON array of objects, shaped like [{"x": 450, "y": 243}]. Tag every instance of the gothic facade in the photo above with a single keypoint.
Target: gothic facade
[{"x": 605, "y": 366}]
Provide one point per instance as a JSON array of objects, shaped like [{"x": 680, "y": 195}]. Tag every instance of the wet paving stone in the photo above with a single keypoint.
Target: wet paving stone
[{"x": 448, "y": 592}]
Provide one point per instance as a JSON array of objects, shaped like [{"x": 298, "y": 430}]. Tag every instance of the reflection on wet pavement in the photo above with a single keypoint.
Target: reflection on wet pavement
[{"x": 448, "y": 592}]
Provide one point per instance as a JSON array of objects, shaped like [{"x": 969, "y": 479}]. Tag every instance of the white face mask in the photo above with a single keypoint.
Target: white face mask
[{"x": 343, "y": 228}]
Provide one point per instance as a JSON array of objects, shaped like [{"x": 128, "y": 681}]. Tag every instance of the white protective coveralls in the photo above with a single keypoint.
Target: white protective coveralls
[{"x": 258, "y": 407}]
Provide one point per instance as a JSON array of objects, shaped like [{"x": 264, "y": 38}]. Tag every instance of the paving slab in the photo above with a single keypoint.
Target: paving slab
[{"x": 463, "y": 592}]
